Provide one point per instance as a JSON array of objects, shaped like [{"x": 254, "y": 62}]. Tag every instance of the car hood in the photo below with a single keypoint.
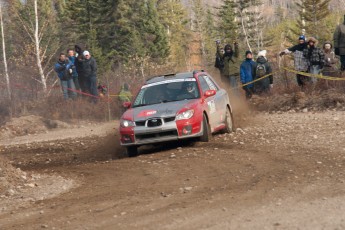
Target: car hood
[{"x": 168, "y": 109}]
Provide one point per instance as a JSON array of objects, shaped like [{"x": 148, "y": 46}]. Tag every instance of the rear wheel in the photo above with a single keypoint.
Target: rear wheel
[
  {"x": 229, "y": 123},
  {"x": 132, "y": 151},
  {"x": 205, "y": 130}
]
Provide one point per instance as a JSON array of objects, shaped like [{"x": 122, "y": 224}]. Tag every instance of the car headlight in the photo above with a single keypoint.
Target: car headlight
[
  {"x": 185, "y": 115},
  {"x": 127, "y": 123}
]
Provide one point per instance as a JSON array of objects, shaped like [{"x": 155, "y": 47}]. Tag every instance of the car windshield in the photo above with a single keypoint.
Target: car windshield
[{"x": 167, "y": 91}]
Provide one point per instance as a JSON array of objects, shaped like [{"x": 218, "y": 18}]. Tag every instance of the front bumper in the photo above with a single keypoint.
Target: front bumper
[{"x": 170, "y": 131}]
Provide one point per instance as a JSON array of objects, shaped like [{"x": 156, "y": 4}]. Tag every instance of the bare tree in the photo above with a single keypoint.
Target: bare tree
[
  {"x": 4, "y": 52},
  {"x": 244, "y": 29},
  {"x": 38, "y": 49},
  {"x": 38, "y": 21}
]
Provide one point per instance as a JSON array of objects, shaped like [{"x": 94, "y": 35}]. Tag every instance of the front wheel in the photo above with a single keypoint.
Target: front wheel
[
  {"x": 132, "y": 151},
  {"x": 205, "y": 130},
  {"x": 229, "y": 122}
]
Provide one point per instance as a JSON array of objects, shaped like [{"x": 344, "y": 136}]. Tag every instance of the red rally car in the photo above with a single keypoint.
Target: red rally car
[{"x": 174, "y": 107}]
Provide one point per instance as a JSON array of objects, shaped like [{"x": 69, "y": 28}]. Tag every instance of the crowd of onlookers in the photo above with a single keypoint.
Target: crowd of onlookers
[
  {"x": 77, "y": 73},
  {"x": 78, "y": 76},
  {"x": 309, "y": 58},
  {"x": 78, "y": 70},
  {"x": 233, "y": 68}
]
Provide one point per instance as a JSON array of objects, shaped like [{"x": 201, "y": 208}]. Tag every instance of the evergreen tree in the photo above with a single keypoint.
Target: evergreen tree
[
  {"x": 173, "y": 16},
  {"x": 311, "y": 18},
  {"x": 228, "y": 27},
  {"x": 153, "y": 36}
]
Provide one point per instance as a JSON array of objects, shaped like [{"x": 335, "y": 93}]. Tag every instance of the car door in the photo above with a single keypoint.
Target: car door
[
  {"x": 219, "y": 100},
  {"x": 210, "y": 103}
]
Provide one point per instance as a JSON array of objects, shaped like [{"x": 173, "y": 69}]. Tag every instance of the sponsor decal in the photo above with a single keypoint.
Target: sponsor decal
[
  {"x": 147, "y": 113},
  {"x": 212, "y": 106}
]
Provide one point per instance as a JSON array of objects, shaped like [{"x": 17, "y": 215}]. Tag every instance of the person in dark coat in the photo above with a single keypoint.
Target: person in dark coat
[
  {"x": 262, "y": 69},
  {"x": 339, "y": 43},
  {"x": 301, "y": 64},
  {"x": 79, "y": 62},
  {"x": 247, "y": 72},
  {"x": 230, "y": 59},
  {"x": 90, "y": 74},
  {"x": 315, "y": 57}
]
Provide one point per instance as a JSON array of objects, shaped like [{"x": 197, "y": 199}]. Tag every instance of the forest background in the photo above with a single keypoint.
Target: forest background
[{"x": 132, "y": 40}]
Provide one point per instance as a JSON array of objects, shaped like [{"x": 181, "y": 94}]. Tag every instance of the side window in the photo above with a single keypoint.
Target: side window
[
  {"x": 203, "y": 84},
  {"x": 211, "y": 83}
]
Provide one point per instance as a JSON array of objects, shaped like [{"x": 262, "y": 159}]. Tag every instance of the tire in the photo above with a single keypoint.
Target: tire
[
  {"x": 205, "y": 130},
  {"x": 229, "y": 121},
  {"x": 132, "y": 151}
]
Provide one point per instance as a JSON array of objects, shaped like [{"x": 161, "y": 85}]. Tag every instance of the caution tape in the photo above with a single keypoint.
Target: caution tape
[
  {"x": 259, "y": 79},
  {"x": 314, "y": 75}
]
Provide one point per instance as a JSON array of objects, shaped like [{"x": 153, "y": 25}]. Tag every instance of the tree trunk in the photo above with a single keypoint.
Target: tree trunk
[
  {"x": 245, "y": 31},
  {"x": 38, "y": 54},
  {"x": 4, "y": 54}
]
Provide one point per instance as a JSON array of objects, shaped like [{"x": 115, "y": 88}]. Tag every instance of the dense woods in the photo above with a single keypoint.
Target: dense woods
[{"x": 133, "y": 39}]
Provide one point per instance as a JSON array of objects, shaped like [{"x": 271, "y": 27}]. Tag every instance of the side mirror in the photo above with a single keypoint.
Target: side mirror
[
  {"x": 210, "y": 93},
  {"x": 127, "y": 104}
]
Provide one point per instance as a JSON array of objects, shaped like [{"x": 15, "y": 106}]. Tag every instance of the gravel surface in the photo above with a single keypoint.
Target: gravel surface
[{"x": 279, "y": 170}]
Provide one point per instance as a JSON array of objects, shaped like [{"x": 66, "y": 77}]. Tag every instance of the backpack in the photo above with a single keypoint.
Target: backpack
[
  {"x": 219, "y": 63},
  {"x": 260, "y": 70}
]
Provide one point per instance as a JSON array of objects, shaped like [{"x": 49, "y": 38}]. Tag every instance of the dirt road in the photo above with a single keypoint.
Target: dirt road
[{"x": 278, "y": 171}]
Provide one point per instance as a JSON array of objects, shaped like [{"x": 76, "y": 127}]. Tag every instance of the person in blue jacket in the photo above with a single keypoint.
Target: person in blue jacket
[
  {"x": 64, "y": 70},
  {"x": 247, "y": 73},
  {"x": 72, "y": 58}
]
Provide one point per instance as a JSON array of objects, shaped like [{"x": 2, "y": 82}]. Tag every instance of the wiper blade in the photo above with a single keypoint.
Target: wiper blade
[{"x": 134, "y": 106}]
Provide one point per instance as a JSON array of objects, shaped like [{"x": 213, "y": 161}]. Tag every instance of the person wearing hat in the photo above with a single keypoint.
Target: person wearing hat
[
  {"x": 339, "y": 43},
  {"x": 247, "y": 72},
  {"x": 315, "y": 57},
  {"x": 262, "y": 69},
  {"x": 90, "y": 74},
  {"x": 301, "y": 64},
  {"x": 230, "y": 71},
  {"x": 330, "y": 69}
]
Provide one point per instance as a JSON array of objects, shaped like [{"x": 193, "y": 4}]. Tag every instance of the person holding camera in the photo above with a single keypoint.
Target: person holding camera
[
  {"x": 64, "y": 69},
  {"x": 231, "y": 64}
]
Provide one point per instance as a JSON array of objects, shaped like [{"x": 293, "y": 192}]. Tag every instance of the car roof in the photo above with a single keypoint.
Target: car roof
[{"x": 170, "y": 77}]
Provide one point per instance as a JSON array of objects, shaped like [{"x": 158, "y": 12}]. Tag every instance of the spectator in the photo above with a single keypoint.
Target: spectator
[
  {"x": 230, "y": 73},
  {"x": 301, "y": 64},
  {"x": 72, "y": 59},
  {"x": 64, "y": 69},
  {"x": 315, "y": 57},
  {"x": 330, "y": 69},
  {"x": 263, "y": 68},
  {"x": 90, "y": 74},
  {"x": 219, "y": 64},
  {"x": 79, "y": 63},
  {"x": 125, "y": 95},
  {"x": 339, "y": 43},
  {"x": 247, "y": 72}
]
